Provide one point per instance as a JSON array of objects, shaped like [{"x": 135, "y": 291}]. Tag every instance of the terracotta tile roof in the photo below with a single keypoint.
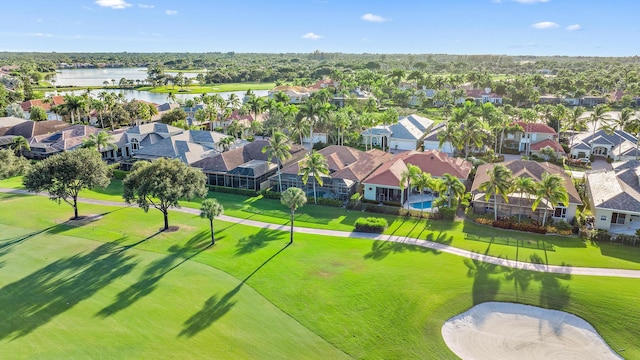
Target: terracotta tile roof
[
  {"x": 536, "y": 127},
  {"x": 530, "y": 168},
  {"x": 345, "y": 163},
  {"x": 31, "y": 128},
  {"x": 231, "y": 159},
  {"x": 547, "y": 142},
  {"x": 478, "y": 93},
  {"x": 55, "y": 100},
  {"x": 433, "y": 162}
]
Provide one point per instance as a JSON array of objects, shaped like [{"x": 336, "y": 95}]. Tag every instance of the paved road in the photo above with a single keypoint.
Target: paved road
[{"x": 392, "y": 238}]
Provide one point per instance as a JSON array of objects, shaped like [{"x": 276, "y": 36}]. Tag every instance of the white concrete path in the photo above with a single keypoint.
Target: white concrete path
[{"x": 393, "y": 238}]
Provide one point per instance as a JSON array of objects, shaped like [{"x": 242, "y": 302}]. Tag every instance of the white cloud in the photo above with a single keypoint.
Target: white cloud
[
  {"x": 114, "y": 4},
  {"x": 171, "y": 12},
  {"x": 40, "y": 34},
  {"x": 373, "y": 18},
  {"x": 574, "y": 27},
  {"x": 145, "y": 6},
  {"x": 311, "y": 36},
  {"x": 544, "y": 25}
]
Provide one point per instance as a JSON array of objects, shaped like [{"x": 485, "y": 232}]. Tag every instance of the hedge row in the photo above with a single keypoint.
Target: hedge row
[
  {"x": 230, "y": 190},
  {"x": 519, "y": 226},
  {"x": 325, "y": 202},
  {"x": 371, "y": 225},
  {"x": 119, "y": 174}
]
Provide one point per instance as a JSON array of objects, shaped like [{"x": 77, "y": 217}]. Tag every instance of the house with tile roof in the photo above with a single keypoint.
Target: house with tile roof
[
  {"x": 533, "y": 138},
  {"x": 348, "y": 167},
  {"x": 485, "y": 95},
  {"x": 45, "y": 105},
  {"x": 384, "y": 183},
  {"x": 245, "y": 167},
  {"x": 614, "y": 197},
  {"x": 189, "y": 146},
  {"x": 69, "y": 138},
  {"x": 619, "y": 145},
  {"x": 407, "y": 134},
  {"x": 521, "y": 203}
]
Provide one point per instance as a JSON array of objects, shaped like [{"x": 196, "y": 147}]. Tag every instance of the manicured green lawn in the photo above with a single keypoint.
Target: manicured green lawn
[
  {"x": 201, "y": 89},
  {"x": 367, "y": 299},
  {"x": 568, "y": 250}
]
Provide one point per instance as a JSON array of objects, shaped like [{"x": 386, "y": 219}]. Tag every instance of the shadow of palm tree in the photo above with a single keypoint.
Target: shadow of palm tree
[
  {"x": 214, "y": 308},
  {"x": 46, "y": 293},
  {"x": 256, "y": 241},
  {"x": 485, "y": 287},
  {"x": 553, "y": 294},
  {"x": 7, "y": 244},
  {"x": 155, "y": 271}
]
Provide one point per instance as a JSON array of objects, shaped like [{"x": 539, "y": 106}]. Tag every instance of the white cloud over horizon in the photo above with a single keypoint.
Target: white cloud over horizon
[
  {"x": 171, "y": 12},
  {"x": 545, "y": 25},
  {"x": 574, "y": 27},
  {"x": 373, "y": 18},
  {"x": 311, "y": 36},
  {"x": 113, "y": 4}
]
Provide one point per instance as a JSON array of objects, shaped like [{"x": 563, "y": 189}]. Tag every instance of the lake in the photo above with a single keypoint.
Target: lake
[
  {"x": 97, "y": 77},
  {"x": 156, "y": 97}
]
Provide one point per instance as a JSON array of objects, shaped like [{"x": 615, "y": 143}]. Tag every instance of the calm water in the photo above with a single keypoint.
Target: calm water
[
  {"x": 155, "y": 97},
  {"x": 97, "y": 77}
]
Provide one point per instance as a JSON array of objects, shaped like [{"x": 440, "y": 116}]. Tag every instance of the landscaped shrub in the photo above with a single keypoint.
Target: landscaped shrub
[
  {"x": 519, "y": 226},
  {"x": 371, "y": 224},
  {"x": 119, "y": 174},
  {"x": 325, "y": 202},
  {"x": 268, "y": 194},
  {"x": 563, "y": 226},
  {"x": 447, "y": 213},
  {"x": 484, "y": 221}
]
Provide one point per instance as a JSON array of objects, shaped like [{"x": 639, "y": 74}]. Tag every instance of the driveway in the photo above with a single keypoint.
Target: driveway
[{"x": 598, "y": 164}]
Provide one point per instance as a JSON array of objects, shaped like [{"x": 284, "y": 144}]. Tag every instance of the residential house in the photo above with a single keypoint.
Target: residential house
[
  {"x": 407, "y": 134},
  {"x": 384, "y": 183},
  {"x": 431, "y": 141},
  {"x": 69, "y": 138},
  {"x": 550, "y": 100},
  {"x": 245, "y": 167},
  {"x": 533, "y": 138},
  {"x": 619, "y": 145},
  {"x": 296, "y": 94},
  {"x": 614, "y": 197},
  {"x": 591, "y": 101},
  {"x": 189, "y": 146},
  {"x": 11, "y": 127},
  {"x": 347, "y": 168},
  {"x": 45, "y": 104},
  {"x": 485, "y": 95},
  {"x": 521, "y": 203}
]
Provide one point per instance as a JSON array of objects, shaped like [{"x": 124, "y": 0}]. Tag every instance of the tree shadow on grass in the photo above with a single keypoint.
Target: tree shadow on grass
[
  {"x": 217, "y": 306},
  {"x": 38, "y": 298},
  {"x": 155, "y": 271},
  {"x": 7, "y": 244},
  {"x": 485, "y": 285},
  {"x": 256, "y": 241},
  {"x": 382, "y": 249}
]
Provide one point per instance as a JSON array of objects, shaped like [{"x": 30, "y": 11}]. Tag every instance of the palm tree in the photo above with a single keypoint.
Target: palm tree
[
  {"x": 314, "y": 165},
  {"x": 523, "y": 185},
  {"x": 455, "y": 187},
  {"x": 99, "y": 140},
  {"x": 226, "y": 142},
  {"x": 311, "y": 110},
  {"x": 575, "y": 122},
  {"x": 423, "y": 181},
  {"x": 73, "y": 104},
  {"x": 256, "y": 104},
  {"x": 278, "y": 148},
  {"x": 299, "y": 128},
  {"x": 410, "y": 175},
  {"x": 625, "y": 117},
  {"x": 19, "y": 144},
  {"x": 600, "y": 117},
  {"x": 281, "y": 97},
  {"x": 293, "y": 198},
  {"x": 209, "y": 209},
  {"x": 633, "y": 126},
  {"x": 499, "y": 183},
  {"x": 552, "y": 189}
]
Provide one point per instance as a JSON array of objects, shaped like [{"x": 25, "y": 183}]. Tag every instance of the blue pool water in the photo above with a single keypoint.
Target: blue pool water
[{"x": 421, "y": 205}]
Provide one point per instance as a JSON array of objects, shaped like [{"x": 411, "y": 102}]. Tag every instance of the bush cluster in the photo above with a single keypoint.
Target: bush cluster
[
  {"x": 119, "y": 174},
  {"x": 325, "y": 202},
  {"x": 519, "y": 226},
  {"x": 230, "y": 190},
  {"x": 371, "y": 225}
]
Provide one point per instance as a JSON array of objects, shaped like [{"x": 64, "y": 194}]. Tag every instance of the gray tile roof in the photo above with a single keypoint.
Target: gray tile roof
[
  {"x": 584, "y": 140},
  {"x": 155, "y": 128},
  {"x": 615, "y": 189},
  {"x": 171, "y": 148}
]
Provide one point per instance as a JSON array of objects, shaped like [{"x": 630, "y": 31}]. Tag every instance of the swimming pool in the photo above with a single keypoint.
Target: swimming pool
[{"x": 421, "y": 205}]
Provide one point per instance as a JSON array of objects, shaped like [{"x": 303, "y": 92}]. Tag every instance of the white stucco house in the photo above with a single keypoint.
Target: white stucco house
[
  {"x": 431, "y": 141},
  {"x": 614, "y": 197},
  {"x": 619, "y": 145},
  {"x": 407, "y": 134}
]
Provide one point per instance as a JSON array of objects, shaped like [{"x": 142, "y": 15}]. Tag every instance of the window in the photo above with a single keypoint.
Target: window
[
  {"x": 603, "y": 217},
  {"x": 560, "y": 212},
  {"x": 134, "y": 144}
]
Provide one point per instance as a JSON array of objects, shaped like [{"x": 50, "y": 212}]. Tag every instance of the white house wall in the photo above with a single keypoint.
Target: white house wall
[
  {"x": 398, "y": 144},
  {"x": 435, "y": 145}
]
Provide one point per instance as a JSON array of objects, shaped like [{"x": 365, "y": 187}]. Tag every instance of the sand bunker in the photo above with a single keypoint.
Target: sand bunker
[{"x": 513, "y": 331}]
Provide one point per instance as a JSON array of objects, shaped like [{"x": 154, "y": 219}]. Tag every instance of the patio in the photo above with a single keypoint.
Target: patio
[{"x": 626, "y": 229}]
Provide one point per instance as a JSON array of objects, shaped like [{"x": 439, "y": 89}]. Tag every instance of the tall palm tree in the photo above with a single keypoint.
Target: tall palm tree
[
  {"x": 256, "y": 104},
  {"x": 293, "y": 198},
  {"x": 314, "y": 165},
  {"x": 19, "y": 144},
  {"x": 226, "y": 142},
  {"x": 575, "y": 122},
  {"x": 408, "y": 176},
  {"x": 278, "y": 148},
  {"x": 281, "y": 97},
  {"x": 311, "y": 110},
  {"x": 73, "y": 104},
  {"x": 499, "y": 184},
  {"x": 599, "y": 117},
  {"x": 552, "y": 189},
  {"x": 423, "y": 181},
  {"x": 455, "y": 187},
  {"x": 299, "y": 127},
  {"x": 523, "y": 185},
  {"x": 472, "y": 133},
  {"x": 625, "y": 117},
  {"x": 209, "y": 209}
]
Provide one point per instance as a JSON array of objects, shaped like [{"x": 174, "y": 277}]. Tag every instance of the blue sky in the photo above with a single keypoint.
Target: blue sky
[{"x": 511, "y": 27}]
